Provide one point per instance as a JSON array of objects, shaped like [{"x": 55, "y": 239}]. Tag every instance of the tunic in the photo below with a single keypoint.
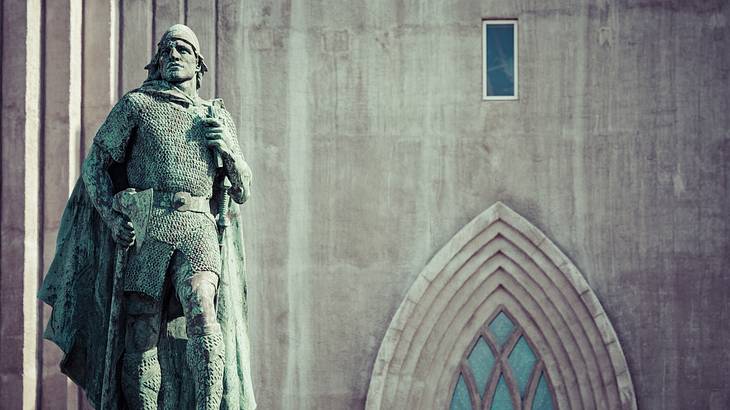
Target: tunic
[{"x": 161, "y": 139}]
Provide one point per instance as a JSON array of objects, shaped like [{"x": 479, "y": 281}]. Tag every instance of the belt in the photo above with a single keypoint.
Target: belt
[{"x": 181, "y": 201}]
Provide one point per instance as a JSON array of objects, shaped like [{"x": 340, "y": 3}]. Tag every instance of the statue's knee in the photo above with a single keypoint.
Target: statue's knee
[
  {"x": 197, "y": 293},
  {"x": 199, "y": 303},
  {"x": 142, "y": 323},
  {"x": 142, "y": 334}
]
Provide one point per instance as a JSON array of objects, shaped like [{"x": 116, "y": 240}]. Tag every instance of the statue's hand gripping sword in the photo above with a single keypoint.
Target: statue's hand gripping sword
[{"x": 224, "y": 184}]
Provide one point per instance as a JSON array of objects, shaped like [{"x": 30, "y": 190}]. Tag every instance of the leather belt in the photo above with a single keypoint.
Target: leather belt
[{"x": 181, "y": 201}]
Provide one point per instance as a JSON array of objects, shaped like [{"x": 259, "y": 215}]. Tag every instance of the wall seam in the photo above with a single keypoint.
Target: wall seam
[
  {"x": 153, "y": 25},
  {"x": 41, "y": 201},
  {"x": 120, "y": 49},
  {"x": 82, "y": 131},
  {"x": 2, "y": 140},
  {"x": 216, "y": 88}
]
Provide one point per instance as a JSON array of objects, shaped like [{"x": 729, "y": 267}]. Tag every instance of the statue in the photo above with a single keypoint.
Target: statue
[{"x": 148, "y": 282}]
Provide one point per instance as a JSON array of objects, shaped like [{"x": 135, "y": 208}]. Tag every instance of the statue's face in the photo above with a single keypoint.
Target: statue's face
[{"x": 178, "y": 62}]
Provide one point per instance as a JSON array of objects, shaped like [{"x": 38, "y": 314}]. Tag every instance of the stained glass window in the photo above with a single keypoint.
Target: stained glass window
[
  {"x": 481, "y": 362},
  {"x": 502, "y": 371},
  {"x": 461, "y": 400},
  {"x": 543, "y": 399},
  {"x": 501, "y": 327},
  {"x": 522, "y": 361},
  {"x": 500, "y": 59}
]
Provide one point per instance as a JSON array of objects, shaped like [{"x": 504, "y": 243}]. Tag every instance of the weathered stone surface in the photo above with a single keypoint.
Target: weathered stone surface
[
  {"x": 370, "y": 159},
  {"x": 20, "y": 229}
]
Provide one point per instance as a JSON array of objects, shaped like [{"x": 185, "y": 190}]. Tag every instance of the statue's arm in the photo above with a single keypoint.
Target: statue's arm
[
  {"x": 110, "y": 145},
  {"x": 237, "y": 170},
  {"x": 99, "y": 184}
]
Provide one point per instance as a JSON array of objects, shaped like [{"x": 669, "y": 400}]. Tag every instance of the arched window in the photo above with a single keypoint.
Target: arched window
[
  {"x": 501, "y": 371},
  {"x": 499, "y": 319}
]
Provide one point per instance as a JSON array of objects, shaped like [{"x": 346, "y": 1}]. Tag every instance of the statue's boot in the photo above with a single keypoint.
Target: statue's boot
[
  {"x": 141, "y": 378},
  {"x": 205, "y": 359}
]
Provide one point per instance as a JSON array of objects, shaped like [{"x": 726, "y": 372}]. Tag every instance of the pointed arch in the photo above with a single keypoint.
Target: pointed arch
[{"x": 500, "y": 261}]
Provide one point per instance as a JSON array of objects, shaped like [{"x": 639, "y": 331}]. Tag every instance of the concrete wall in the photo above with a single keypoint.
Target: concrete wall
[
  {"x": 370, "y": 145},
  {"x": 19, "y": 227},
  {"x": 371, "y": 148}
]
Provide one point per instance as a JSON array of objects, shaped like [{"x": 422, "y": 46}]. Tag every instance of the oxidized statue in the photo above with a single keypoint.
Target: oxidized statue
[{"x": 148, "y": 282}]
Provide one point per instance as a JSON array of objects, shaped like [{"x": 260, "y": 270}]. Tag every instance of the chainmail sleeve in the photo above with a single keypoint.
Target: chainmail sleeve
[
  {"x": 116, "y": 131},
  {"x": 237, "y": 170},
  {"x": 110, "y": 145}
]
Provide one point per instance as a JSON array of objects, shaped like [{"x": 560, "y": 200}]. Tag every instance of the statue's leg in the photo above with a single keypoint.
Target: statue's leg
[
  {"x": 196, "y": 291},
  {"x": 140, "y": 367}
]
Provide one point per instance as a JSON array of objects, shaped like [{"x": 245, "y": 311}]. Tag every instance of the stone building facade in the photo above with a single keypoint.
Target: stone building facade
[{"x": 374, "y": 153}]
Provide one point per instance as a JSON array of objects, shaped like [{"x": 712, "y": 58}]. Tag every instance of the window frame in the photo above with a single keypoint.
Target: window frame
[{"x": 501, "y": 21}]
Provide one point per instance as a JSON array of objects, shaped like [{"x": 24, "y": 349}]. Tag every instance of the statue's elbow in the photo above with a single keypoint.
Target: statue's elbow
[
  {"x": 89, "y": 167},
  {"x": 238, "y": 194},
  {"x": 94, "y": 166}
]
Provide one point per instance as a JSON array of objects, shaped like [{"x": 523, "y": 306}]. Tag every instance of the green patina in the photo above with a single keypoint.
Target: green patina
[{"x": 148, "y": 284}]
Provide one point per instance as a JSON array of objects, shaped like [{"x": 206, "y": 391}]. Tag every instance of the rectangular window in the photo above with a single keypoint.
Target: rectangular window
[{"x": 499, "y": 43}]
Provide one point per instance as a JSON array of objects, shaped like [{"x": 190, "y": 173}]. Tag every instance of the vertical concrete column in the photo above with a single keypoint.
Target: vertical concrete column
[
  {"x": 136, "y": 38},
  {"x": 60, "y": 158},
  {"x": 165, "y": 14},
  {"x": 229, "y": 58},
  {"x": 201, "y": 17},
  {"x": 101, "y": 68},
  {"x": 299, "y": 270},
  {"x": 19, "y": 338}
]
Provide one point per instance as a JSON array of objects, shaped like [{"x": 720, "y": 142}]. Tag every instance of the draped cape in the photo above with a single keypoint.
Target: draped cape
[{"x": 78, "y": 287}]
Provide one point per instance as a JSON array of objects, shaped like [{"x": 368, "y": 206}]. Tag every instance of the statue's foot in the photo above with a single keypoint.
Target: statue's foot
[
  {"x": 205, "y": 359},
  {"x": 141, "y": 379}
]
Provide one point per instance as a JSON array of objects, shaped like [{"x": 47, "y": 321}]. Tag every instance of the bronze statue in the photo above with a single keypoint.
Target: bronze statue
[{"x": 160, "y": 243}]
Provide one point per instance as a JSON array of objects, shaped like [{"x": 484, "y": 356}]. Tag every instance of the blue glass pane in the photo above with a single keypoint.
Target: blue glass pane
[
  {"x": 461, "y": 400},
  {"x": 500, "y": 59},
  {"x": 481, "y": 362},
  {"x": 502, "y": 400},
  {"x": 522, "y": 360},
  {"x": 501, "y": 327},
  {"x": 543, "y": 399}
]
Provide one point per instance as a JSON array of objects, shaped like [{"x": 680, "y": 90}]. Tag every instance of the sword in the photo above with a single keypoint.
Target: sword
[
  {"x": 224, "y": 184},
  {"x": 136, "y": 206}
]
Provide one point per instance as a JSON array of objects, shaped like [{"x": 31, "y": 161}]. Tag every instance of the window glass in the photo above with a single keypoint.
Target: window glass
[
  {"x": 500, "y": 62},
  {"x": 522, "y": 360},
  {"x": 501, "y": 327},
  {"x": 460, "y": 400},
  {"x": 502, "y": 399},
  {"x": 481, "y": 361},
  {"x": 543, "y": 399}
]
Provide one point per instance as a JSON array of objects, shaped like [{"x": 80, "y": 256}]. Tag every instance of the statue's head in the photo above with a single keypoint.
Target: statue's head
[{"x": 178, "y": 57}]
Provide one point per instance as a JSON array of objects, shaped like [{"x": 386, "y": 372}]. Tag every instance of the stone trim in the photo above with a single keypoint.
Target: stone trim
[{"x": 500, "y": 260}]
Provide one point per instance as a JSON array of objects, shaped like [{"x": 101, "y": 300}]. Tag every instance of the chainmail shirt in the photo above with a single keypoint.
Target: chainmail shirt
[{"x": 163, "y": 144}]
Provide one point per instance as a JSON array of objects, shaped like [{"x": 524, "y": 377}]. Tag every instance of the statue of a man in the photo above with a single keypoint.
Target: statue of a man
[{"x": 179, "y": 155}]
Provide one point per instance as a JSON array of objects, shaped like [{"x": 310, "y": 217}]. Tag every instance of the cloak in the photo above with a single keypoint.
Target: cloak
[{"x": 78, "y": 287}]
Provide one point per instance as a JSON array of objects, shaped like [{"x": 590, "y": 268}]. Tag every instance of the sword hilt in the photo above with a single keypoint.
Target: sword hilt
[
  {"x": 216, "y": 153},
  {"x": 222, "y": 220}
]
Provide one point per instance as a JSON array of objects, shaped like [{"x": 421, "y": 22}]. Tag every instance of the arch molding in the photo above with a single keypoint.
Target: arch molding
[{"x": 499, "y": 260}]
